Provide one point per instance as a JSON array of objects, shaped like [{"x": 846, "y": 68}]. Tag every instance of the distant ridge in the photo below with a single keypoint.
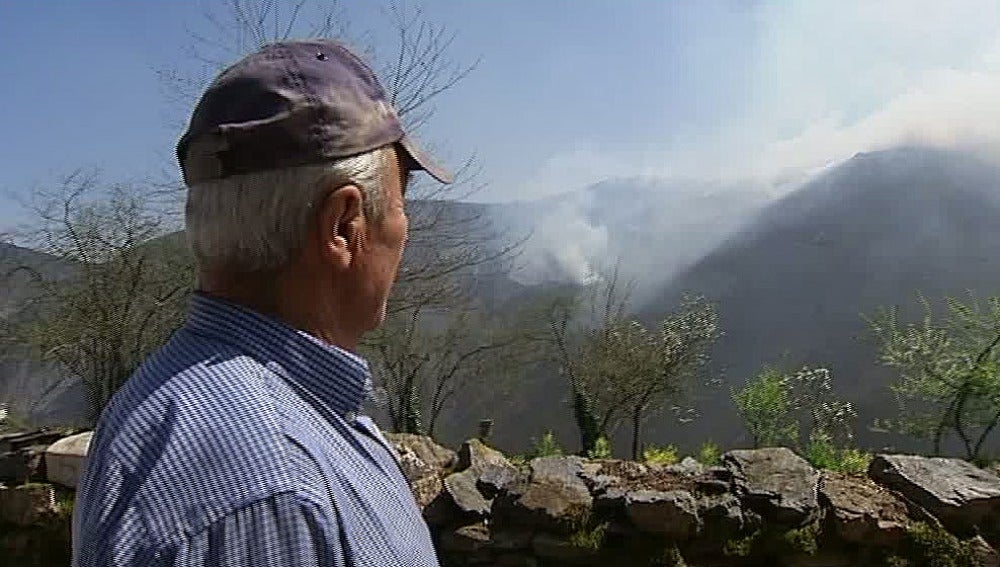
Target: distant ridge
[{"x": 871, "y": 231}]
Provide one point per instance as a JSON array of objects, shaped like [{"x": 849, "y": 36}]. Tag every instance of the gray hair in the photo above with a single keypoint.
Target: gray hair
[{"x": 259, "y": 221}]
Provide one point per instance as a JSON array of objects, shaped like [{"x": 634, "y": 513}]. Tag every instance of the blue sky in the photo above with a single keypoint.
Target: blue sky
[{"x": 567, "y": 92}]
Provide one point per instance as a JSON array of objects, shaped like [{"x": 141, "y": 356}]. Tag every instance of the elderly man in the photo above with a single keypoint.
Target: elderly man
[{"x": 240, "y": 442}]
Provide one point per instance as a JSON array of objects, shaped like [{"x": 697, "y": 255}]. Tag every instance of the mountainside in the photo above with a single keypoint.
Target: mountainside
[
  {"x": 791, "y": 277},
  {"x": 792, "y": 285},
  {"x": 29, "y": 387},
  {"x": 654, "y": 227},
  {"x": 15, "y": 280}
]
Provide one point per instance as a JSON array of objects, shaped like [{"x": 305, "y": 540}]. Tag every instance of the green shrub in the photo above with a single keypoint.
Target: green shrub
[
  {"x": 591, "y": 539},
  {"x": 771, "y": 542},
  {"x": 767, "y": 406},
  {"x": 13, "y": 421},
  {"x": 803, "y": 539},
  {"x": 672, "y": 557},
  {"x": 821, "y": 452},
  {"x": 709, "y": 454},
  {"x": 740, "y": 547},
  {"x": 601, "y": 450},
  {"x": 933, "y": 546},
  {"x": 547, "y": 446},
  {"x": 986, "y": 460},
  {"x": 854, "y": 461},
  {"x": 660, "y": 455},
  {"x": 65, "y": 501}
]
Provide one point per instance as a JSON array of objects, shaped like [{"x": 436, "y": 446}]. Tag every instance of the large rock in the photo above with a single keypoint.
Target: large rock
[
  {"x": 776, "y": 483},
  {"x": 463, "y": 493},
  {"x": 494, "y": 478},
  {"x": 414, "y": 468},
  {"x": 26, "y": 505},
  {"x": 557, "y": 469},
  {"x": 722, "y": 516},
  {"x": 22, "y": 439},
  {"x": 862, "y": 512},
  {"x": 672, "y": 514},
  {"x": 424, "y": 464},
  {"x": 474, "y": 454},
  {"x": 555, "y": 497},
  {"x": 548, "y": 506},
  {"x": 963, "y": 496},
  {"x": 66, "y": 459},
  {"x": 424, "y": 448},
  {"x": 426, "y": 490},
  {"x": 24, "y": 464},
  {"x": 467, "y": 495},
  {"x": 466, "y": 539},
  {"x": 561, "y": 550},
  {"x": 688, "y": 466},
  {"x": 606, "y": 476},
  {"x": 609, "y": 503}
]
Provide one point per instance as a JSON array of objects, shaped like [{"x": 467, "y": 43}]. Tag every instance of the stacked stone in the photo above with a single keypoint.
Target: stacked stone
[
  {"x": 485, "y": 510},
  {"x": 572, "y": 511}
]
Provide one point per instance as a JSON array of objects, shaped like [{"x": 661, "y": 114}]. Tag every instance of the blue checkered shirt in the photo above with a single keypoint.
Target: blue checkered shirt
[{"x": 241, "y": 443}]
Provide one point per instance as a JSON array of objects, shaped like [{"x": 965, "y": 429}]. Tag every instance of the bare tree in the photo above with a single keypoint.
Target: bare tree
[
  {"x": 123, "y": 294},
  {"x": 619, "y": 369},
  {"x": 562, "y": 338},
  {"x": 425, "y": 364}
]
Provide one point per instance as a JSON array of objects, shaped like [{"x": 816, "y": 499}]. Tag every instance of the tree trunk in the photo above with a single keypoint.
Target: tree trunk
[
  {"x": 986, "y": 432},
  {"x": 410, "y": 407},
  {"x": 585, "y": 421},
  {"x": 636, "y": 425}
]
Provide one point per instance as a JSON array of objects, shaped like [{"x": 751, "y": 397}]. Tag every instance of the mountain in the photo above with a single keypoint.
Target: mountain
[
  {"x": 16, "y": 265},
  {"x": 38, "y": 391},
  {"x": 791, "y": 276},
  {"x": 792, "y": 285},
  {"x": 655, "y": 227}
]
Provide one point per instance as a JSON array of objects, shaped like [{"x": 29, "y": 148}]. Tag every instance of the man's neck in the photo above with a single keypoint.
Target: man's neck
[{"x": 297, "y": 306}]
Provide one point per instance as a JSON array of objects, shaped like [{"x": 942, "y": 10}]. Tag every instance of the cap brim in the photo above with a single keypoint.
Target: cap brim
[{"x": 423, "y": 160}]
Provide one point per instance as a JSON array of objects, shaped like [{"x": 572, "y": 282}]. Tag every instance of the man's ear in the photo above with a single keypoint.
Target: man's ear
[{"x": 340, "y": 215}]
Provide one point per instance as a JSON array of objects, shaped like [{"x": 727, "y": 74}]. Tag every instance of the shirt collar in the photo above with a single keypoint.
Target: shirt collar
[{"x": 335, "y": 376}]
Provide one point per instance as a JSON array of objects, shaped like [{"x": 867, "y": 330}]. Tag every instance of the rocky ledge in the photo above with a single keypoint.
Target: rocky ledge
[{"x": 759, "y": 507}]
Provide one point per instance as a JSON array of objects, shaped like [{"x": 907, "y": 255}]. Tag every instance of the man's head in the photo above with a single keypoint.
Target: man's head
[{"x": 296, "y": 166}]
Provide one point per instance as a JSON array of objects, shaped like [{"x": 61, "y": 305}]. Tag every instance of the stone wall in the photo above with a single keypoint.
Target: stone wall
[{"x": 759, "y": 507}]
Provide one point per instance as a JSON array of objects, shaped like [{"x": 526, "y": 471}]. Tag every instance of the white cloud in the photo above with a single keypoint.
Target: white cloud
[
  {"x": 831, "y": 79},
  {"x": 586, "y": 163},
  {"x": 950, "y": 109}
]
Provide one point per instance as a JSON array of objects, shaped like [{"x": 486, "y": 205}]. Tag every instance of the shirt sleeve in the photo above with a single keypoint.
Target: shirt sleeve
[{"x": 285, "y": 529}]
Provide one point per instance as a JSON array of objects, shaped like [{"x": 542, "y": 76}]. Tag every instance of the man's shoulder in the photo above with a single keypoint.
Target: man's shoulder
[
  {"x": 194, "y": 386},
  {"x": 195, "y": 433}
]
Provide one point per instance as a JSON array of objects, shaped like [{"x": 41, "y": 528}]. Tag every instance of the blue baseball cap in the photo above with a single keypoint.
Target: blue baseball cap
[{"x": 293, "y": 103}]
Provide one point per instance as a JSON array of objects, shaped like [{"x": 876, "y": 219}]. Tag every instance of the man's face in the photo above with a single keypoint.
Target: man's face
[{"x": 381, "y": 251}]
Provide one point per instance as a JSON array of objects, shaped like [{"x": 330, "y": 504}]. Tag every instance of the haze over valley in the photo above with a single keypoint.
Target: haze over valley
[{"x": 798, "y": 165}]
